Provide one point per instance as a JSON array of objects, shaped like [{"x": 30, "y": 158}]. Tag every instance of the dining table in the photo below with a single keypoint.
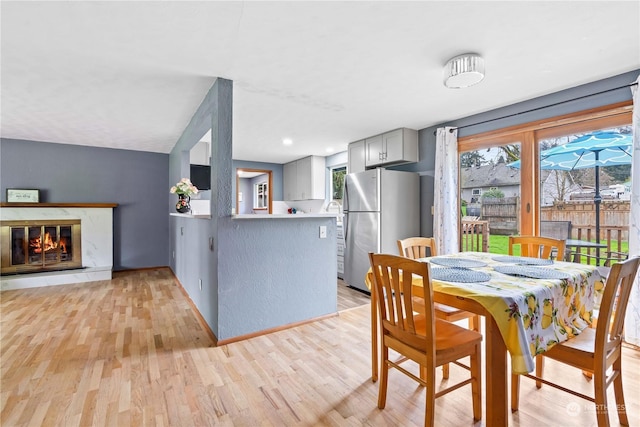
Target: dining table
[{"x": 529, "y": 305}]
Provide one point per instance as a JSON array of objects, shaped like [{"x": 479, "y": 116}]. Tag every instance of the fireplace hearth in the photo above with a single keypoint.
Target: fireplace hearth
[{"x": 33, "y": 246}]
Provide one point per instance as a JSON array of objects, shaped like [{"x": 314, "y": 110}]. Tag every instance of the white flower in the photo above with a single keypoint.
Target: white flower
[{"x": 184, "y": 187}]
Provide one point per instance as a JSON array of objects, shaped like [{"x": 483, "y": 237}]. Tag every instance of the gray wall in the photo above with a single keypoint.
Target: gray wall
[
  {"x": 275, "y": 272},
  {"x": 244, "y": 207},
  {"x": 137, "y": 181}
]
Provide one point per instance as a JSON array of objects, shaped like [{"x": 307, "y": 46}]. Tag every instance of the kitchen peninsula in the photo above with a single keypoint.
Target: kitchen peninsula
[{"x": 273, "y": 270}]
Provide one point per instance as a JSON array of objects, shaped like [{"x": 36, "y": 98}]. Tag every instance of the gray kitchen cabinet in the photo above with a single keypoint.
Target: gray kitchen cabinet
[
  {"x": 374, "y": 151},
  {"x": 289, "y": 181},
  {"x": 356, "y": 156},
  {"x": 200, "y": 154},
  {"x": 395, "y": 147},
  {"x": 304, "y": 179}
]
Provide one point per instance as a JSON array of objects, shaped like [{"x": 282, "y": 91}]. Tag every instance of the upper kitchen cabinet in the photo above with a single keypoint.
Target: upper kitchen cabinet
[
  {"x": 356, "y": 157},
  {"x": 395, "y": 147},
  {"x": 304, "y": 179},
  {"x": 200, "y": 154},
  {"x": 289, "y": 180}
]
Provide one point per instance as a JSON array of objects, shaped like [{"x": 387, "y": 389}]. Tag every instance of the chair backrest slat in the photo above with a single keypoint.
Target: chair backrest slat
[
  {"x": 614, "y": 304},
  {"x": 417, "y": 247},
  {"x": 536, "y": 246}
]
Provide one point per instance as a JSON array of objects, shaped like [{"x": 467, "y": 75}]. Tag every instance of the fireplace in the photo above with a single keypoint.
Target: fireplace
[{"x": 40, "y": 245}]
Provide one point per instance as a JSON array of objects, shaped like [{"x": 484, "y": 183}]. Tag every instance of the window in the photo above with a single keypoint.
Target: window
[
  {"x": 337, "y": 183},
  {"x": 476, "y": 192}
]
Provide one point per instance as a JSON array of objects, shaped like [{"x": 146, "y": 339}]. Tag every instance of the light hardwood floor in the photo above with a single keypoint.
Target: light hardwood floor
[
  {"x": 350, "y": 298},
  {"x": 130, "y": 352}
]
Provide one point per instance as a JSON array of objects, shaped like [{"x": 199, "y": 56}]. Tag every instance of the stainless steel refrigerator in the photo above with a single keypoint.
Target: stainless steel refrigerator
[{"x": 380, "y": 207}]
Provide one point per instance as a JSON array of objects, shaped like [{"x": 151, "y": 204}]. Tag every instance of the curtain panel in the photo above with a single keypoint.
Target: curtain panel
[
  {"x": 445, "y": 205},
  {"x": 632, "y": 317}
]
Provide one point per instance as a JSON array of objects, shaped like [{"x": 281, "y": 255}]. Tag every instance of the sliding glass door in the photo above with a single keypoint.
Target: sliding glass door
[{"x": 507, "y": 180}]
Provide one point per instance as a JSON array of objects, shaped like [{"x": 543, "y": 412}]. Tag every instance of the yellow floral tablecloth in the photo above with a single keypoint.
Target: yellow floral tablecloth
[{"x": 532, "y": 314}]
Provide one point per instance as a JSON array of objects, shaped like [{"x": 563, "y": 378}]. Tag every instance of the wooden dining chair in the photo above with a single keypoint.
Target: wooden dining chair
[
  {"x": 595, "y": 350},
  {"x": 417, "y": 247},
  {"x": 420, "y": 337},
  {"x": 537, "y": 247},
  {"x": 423, "y": 247}
]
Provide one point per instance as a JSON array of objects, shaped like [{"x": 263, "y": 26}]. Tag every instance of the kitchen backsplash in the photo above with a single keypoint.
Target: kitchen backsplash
[
  {"x": 306, "y": 206},
  {"x": 202, "y": 207}
]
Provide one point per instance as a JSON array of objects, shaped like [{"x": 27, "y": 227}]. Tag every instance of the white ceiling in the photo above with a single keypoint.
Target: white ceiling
[{"x": 130, "y": 75}]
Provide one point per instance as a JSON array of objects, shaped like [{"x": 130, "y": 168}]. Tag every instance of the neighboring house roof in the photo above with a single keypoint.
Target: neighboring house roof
[
  {"x": 501, "y": 175},
  {"x": 492, "y": 175}
]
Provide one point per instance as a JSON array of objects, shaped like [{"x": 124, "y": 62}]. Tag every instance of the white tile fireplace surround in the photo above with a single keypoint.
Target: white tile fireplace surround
[{"x": 97, "y": 241}]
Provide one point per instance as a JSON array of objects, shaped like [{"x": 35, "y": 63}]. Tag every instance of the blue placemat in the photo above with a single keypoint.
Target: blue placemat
[
  {"x": 460, "y": 275},
  {"x": 522, "y": 260},
  {"x": 457, "y": 262},
  {"x": 531, "y": 272}
]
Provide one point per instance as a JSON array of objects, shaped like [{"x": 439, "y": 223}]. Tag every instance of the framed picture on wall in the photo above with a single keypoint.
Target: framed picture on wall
[{"x": 23, "y": 195}]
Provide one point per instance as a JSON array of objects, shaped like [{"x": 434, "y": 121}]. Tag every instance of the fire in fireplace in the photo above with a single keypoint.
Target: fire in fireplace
[{"x": 33, "y": 246}]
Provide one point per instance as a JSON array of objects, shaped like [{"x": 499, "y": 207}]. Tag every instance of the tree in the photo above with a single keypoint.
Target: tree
[
  {"x": 619, "y": 173},
  {"x": 338, "y": 183},
  {"x": 495, "y": 193},
  {"x": 511, "y": 151},
  {"x": 470, "y": 159},
  {"x": 561, "y": 184}
]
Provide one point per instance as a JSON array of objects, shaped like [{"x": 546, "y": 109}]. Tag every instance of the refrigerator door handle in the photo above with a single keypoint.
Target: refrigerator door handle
[
  {"x": 345, "y": 210},
  {"x": 345, "y": 222},
  {"x": 345, "y": 196}
]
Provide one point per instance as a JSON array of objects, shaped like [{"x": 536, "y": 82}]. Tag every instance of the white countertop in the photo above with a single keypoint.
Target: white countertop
[
  {"x": 286, "y": 216},
  {"x": 262, "y": 216},
  {"x": 188, "y": 215}
]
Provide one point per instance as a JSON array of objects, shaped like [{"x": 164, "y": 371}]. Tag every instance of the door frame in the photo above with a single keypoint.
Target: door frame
[
  {"x": 270, "y": 188},
  {"x": 529, "y": 134}
]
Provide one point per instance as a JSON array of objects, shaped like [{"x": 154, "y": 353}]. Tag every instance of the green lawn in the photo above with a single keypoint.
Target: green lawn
[{"x": 499, "y": 244}]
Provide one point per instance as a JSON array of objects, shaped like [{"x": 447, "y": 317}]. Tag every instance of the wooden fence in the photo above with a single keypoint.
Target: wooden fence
[
  {"x": 614, "y": 218},
  {"x": 474, "y": 236},
  {"x": 502, "y": 214}
]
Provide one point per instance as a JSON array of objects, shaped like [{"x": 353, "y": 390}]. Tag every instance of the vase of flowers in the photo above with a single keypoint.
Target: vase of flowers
[{"x": 184, "y": 189}]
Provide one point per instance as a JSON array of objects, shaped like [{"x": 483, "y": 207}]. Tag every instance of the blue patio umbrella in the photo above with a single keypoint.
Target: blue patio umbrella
[{"x": 593, "y": 150}]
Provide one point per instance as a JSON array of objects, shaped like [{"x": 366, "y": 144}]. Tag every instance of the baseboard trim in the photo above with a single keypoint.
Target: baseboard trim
[
  {"x": 218, "y": 343},
  {"x": 201, "y": 320},
  {"x": 276, "y": 329}
]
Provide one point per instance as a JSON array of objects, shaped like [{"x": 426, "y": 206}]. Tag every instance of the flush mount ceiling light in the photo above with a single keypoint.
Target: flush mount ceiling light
[{"x": 463, "y": 71}]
